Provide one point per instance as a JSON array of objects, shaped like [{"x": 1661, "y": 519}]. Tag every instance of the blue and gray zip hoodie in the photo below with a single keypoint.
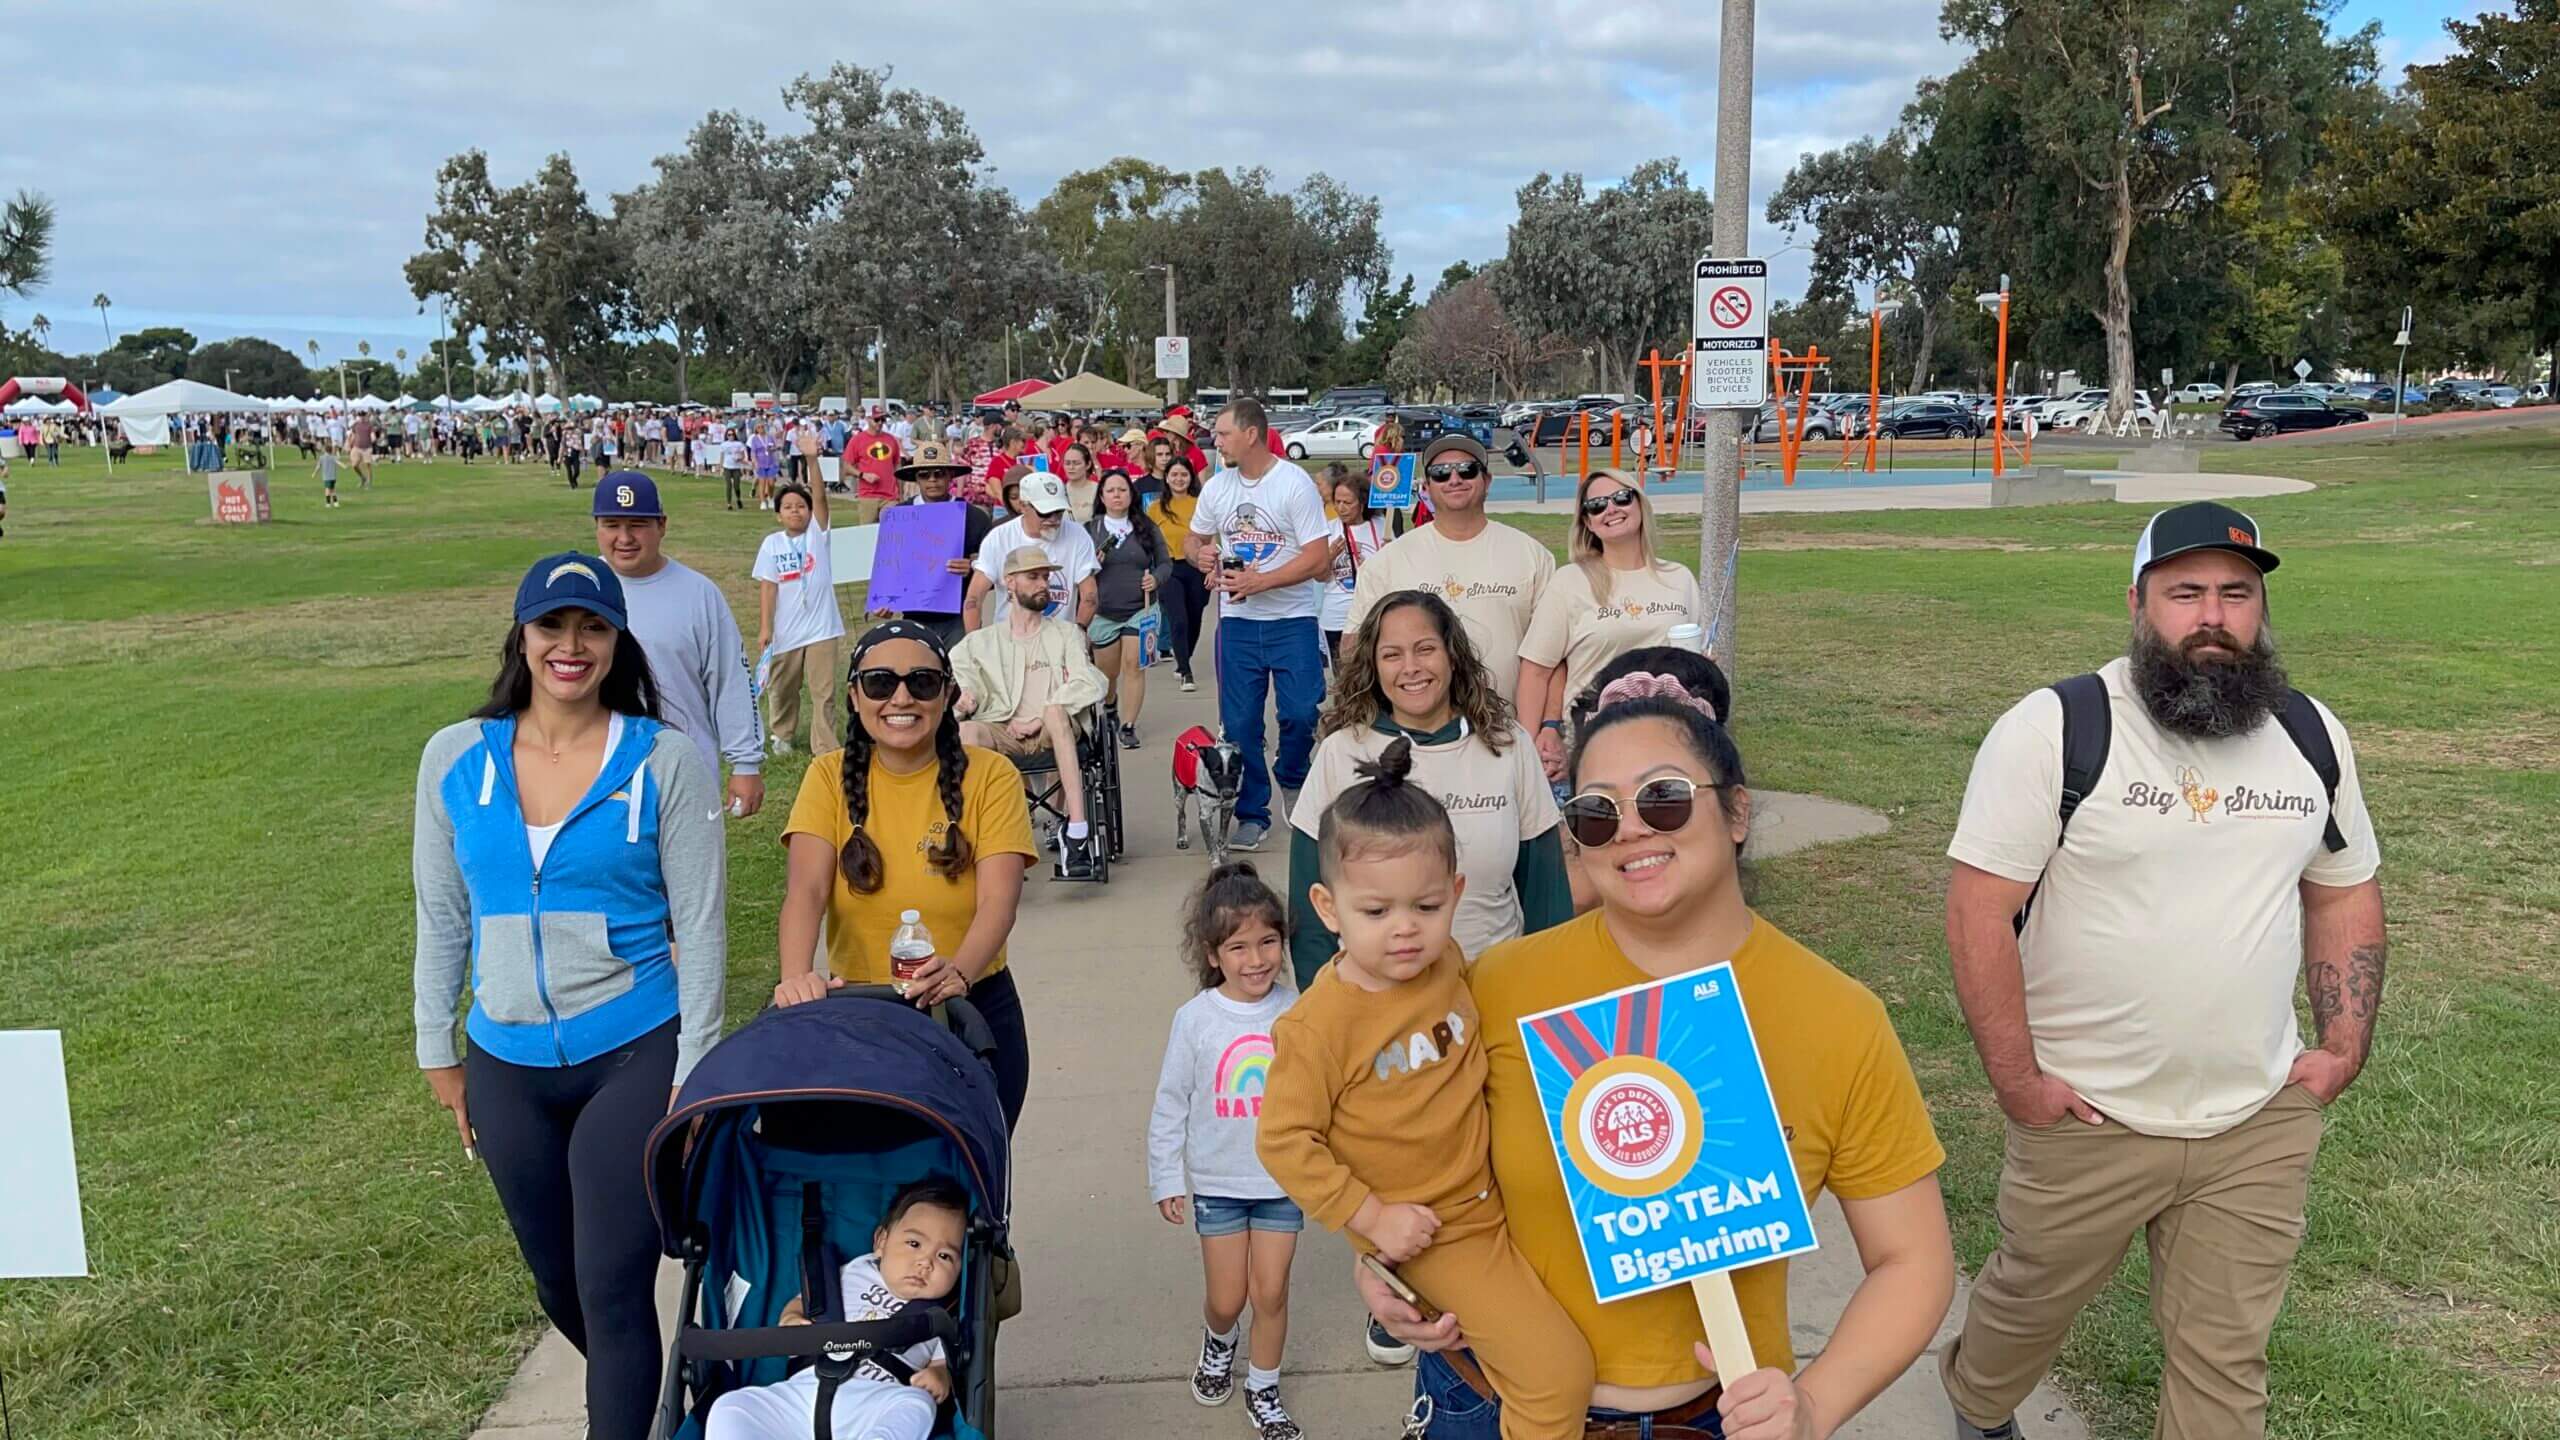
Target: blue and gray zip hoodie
[{"x": 573, "y": 960}]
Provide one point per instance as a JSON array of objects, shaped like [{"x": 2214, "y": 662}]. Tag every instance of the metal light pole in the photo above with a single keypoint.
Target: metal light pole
[
  {"x": 880, "y": 352},
  {"x": 2400, "y": 378},
  {"x": 1172, "y": 326},
  {"x": 1720, "y": 506},
  {"x": 1875, "y": 371}
]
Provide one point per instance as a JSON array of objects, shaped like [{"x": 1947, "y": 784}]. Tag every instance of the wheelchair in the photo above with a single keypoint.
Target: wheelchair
[{"x": 1098, "y": 760}]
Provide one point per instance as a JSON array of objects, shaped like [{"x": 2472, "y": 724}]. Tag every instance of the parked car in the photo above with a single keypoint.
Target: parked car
[
  {"x": 1818, "y": 424},
  {"x": 2253, "y": 387},
  {"x": 2079, "y": 408},
  {"x": 2285, "y": 411},
  {"x": 1924, "y": 418},
  {"x": 2454, "y": 394},
  {"x": 2537, "y": 392},
  {"x": 1334, "y": 437},
  {"x": 1345, "y": 398},
  {"x": 2196, "y": 392},
  {"x": 2498, "y": 397}
]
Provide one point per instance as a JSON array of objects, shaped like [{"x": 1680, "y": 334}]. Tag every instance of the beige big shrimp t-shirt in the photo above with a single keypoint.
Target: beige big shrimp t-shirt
[
  {"x": 1573, "y": 626},
  {"x": 2162, "y": 952}
]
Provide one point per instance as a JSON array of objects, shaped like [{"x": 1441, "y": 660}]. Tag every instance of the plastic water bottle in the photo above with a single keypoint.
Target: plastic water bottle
[{"x": 910, "y": 947}]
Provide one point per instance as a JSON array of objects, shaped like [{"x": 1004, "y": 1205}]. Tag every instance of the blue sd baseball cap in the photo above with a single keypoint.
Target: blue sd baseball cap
[
  {"x": 628, "y": 492},
  {"x": 571, "y": 581}
]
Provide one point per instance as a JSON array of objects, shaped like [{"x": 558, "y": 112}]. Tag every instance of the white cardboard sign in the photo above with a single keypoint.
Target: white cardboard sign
[
  {"x": 1729, "y": 367},
  {"x": 39, "y": 1186}
]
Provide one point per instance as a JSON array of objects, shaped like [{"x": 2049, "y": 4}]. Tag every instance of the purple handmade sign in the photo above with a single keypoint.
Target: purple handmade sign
[{"x": 911, "y": 568}]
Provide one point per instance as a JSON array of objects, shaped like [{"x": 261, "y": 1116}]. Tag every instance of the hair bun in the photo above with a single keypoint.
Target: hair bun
[
  {"x": 1234, "y": 870},
  {"x": 1391, "y": 767}
]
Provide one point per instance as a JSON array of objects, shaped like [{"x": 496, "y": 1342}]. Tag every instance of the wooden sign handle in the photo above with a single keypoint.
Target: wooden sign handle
[{"x": 1727, "y": 1338}]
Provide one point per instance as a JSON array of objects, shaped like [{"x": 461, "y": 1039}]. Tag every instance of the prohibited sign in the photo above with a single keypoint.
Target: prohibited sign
[{"x": 1730, "y": 361}]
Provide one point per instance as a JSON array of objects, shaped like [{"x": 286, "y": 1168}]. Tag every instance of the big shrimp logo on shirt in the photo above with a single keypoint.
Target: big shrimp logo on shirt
[{"x": 1252, "y": 536}]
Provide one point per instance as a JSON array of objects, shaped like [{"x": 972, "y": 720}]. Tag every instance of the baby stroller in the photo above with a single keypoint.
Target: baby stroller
[{"x": 810, "y": 1118}]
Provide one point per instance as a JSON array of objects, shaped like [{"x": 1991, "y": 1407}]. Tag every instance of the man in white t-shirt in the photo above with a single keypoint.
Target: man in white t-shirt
[
  {"x": 1261, "y": 536},
  {"x": 2186, "y": 856},
  {"x": 1490, "y": 573},
  {"x": 795, "y": 571},
  {"x": 1075, "y": 586}
]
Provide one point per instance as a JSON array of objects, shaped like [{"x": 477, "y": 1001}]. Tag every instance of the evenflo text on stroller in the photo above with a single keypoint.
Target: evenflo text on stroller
[{"x": 779, "y": 1158}]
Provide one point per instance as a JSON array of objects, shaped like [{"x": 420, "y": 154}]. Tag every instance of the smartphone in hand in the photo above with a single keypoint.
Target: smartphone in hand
[{"x": 1402, "y": 1291}]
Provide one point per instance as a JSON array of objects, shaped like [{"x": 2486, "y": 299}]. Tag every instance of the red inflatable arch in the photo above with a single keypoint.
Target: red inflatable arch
[{"x": 42, "y": 388}]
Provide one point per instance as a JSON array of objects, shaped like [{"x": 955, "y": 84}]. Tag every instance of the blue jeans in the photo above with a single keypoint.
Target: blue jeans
[
  {"x": 1255, "y": 659},
  {"x": 1459, "y": 1413}
]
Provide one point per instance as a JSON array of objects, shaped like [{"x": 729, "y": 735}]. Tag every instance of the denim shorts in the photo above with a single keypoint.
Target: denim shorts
[
  {"x": 1459, "y": 1413},
  {"x": 1214, "y": 1215}
]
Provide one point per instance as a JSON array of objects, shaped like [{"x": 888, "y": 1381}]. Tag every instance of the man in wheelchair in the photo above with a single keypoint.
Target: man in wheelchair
[{"x": 1023, "y": 680}]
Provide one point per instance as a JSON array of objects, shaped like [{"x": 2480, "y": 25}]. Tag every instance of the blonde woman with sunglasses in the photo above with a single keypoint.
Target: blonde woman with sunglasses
[{"x": 1616, "y": 596}]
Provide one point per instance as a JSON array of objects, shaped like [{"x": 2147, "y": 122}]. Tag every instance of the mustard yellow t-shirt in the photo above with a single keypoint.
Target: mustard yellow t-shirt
[
  {"x": 906, "y": 821},
  {"x": 1854, "y": 1121},
  {"x": 1172, "y": 514}
]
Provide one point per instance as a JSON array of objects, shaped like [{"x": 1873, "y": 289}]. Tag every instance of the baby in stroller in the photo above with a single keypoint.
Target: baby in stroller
[{"x": 915, "y": 1259}]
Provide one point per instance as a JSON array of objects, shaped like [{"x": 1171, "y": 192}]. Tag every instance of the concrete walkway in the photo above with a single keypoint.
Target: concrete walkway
[
  {"x": 1881, "y": 492},
  {"x": 1112, "y": 1294}
]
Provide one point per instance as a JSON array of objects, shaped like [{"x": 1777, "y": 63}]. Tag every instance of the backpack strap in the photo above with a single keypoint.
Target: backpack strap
[
  {"x": 2088, "y": 729},
  {"x": 2302, "y": 723}
]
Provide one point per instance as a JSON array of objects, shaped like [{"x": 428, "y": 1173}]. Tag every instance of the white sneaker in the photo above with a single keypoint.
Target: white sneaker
[{"x": 779, "y": 746}]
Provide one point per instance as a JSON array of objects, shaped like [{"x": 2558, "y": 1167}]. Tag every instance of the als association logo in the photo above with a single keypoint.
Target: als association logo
[{"x": 1631, "y": 1124}]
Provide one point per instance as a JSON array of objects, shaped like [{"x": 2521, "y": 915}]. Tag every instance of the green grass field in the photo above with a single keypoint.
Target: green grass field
[{"x": 211, "y": 733}]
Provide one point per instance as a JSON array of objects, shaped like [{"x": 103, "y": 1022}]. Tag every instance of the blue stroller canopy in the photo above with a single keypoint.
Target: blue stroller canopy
[{"x": 852, "y": 1050}]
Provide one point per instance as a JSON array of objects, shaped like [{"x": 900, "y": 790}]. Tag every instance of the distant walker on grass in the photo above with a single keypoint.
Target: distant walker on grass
[
  {"x": 569, "y": 860},
  {"x": 2183, "y": 832}
]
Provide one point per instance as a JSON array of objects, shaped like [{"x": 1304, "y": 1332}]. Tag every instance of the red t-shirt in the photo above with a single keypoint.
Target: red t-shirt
[
  {"x": 1057, "y": 448},
  {"x": 876, "y": 456}
]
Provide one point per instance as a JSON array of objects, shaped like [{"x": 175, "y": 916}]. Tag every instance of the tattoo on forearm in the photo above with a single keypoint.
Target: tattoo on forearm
[{"x": 2345, "y": 997}]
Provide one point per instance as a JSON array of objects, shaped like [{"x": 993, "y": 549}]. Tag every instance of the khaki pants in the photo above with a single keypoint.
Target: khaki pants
[
  {"x": 867, "y": 508},
  {"x": 816, "y": 665},
  {"x": 2224, "y": 1217}
]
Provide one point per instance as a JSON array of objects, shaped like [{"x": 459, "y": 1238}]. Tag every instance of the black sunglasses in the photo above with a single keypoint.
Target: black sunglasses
[
  {"x": 1457, "y": 469},
  {"x": 1621, "y": 497},
  {"x": 923, "y": 686},
  {"x": 1665, "y": 805}
]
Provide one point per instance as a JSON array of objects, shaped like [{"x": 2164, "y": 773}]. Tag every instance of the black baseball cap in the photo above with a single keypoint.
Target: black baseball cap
[{"x": 2200, "y": 525}]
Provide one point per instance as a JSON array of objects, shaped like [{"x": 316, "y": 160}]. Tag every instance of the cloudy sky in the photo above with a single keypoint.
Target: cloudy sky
[{"x": 266, "y": 169}]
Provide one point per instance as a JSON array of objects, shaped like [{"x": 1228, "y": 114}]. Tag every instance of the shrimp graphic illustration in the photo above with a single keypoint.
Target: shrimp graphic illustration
[{"x": 2198, "y": 795}]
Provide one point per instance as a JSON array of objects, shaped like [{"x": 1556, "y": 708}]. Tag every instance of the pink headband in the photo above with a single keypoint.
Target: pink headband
[{"x": 1641, "y": 685}]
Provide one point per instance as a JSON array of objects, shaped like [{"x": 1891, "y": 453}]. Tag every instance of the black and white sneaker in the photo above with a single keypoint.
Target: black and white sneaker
[
  {"x": 1189, "y": 684},
  {"x": 1270, "y": 1419},
  {"x": 1075, "y": 857},
  {"x": 1383, "y": 1347},
  {"x": 1213, "y": 1380},
  {"x": 1128, "y": 737}
]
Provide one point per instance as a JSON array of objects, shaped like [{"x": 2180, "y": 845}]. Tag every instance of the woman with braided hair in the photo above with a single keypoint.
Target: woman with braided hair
[{"x": 906, "y": 817}]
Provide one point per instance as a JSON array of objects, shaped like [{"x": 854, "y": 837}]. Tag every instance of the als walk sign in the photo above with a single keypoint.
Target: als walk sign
[
  {"x": 1673, "y": 1158},
  {"x": 1391, "y": 475},
  {"x": 1730, "y": 366}
]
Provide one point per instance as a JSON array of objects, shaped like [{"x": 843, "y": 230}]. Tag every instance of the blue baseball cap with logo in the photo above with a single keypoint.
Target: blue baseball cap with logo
[
  {"x": 571, "y": 581},
  {"x": 628, "y": 492}
]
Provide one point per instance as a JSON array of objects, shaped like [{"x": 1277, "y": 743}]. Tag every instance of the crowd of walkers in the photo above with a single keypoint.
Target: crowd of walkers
[{"x": 1509, "y": 785}]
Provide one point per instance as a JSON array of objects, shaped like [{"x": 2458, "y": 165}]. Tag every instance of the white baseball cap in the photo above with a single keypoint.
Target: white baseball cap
[{"x": 1044, "y": 492}]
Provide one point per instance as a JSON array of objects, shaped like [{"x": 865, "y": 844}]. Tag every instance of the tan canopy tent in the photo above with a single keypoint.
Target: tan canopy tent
[{"x": 1088, "y": 391}]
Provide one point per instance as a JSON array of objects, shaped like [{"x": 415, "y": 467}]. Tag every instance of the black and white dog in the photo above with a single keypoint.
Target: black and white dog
[{"x": 1207, "y": 773}]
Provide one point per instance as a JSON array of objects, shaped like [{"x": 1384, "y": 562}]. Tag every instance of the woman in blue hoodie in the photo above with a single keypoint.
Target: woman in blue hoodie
[{"x": 569, "y": 853}]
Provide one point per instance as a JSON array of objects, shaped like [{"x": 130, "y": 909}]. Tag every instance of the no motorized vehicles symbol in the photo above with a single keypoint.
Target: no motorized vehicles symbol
[{"x": 1729, "y": 307}]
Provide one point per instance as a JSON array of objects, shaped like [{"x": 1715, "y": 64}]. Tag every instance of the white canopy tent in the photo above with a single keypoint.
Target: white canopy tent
[
  {"x": 186, "y": 397},
  {"x": 370, "y": 404},
  {"x": 35, "y": 405},
  {"x": 481, "y": 405},
  {"x": 150, "y": 410},
  {"x": 548, "y": 404}
]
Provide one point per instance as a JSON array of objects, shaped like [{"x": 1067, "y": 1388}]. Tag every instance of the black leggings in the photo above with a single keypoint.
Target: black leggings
[
  {"x": 564, "y": 1148},
  {"x": 569, "y": 462},
  {"x": 1186, "y": 608},
  {"x": 998, "y": 1000}
]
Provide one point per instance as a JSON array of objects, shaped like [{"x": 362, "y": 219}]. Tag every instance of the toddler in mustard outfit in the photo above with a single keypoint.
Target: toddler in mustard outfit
[{"x": 1373, "y": 1116}]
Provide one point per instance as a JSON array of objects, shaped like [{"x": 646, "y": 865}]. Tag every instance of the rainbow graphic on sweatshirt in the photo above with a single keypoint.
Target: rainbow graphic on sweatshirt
[{"x": 1241, "y": 1073}]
